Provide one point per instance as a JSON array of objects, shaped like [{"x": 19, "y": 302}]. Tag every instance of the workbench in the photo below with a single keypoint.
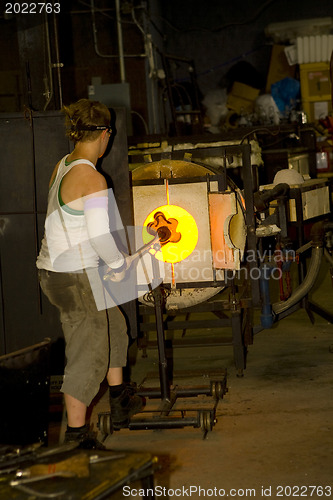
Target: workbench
[{"x": 106, "y": 478}]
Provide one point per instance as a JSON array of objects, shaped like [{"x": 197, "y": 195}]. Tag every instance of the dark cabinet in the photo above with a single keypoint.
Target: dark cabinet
[{"x": 31, "y": 145}]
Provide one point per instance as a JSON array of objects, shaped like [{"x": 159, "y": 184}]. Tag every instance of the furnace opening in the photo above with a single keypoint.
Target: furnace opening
[
  {"x": 165, "y": 228},
  {"x": 177, "y": 230}
]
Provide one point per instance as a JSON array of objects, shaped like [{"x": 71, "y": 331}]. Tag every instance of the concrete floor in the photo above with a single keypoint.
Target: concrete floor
[{"x": 274, "y": 425}]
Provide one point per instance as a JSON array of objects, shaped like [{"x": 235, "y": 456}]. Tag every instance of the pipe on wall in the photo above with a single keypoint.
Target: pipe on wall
[
  {"x": 120, "y": 43},
  {"x": 317, "y": 242},
  {"x": 57, "y": 65},
  {"x": 48, "y": 91},
  {"x": 96, "y": 47},
  {"x": 308, "y": 282}
]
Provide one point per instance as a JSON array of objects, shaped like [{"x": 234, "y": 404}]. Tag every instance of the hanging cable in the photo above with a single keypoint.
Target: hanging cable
[{"x": 222, "y": 26}]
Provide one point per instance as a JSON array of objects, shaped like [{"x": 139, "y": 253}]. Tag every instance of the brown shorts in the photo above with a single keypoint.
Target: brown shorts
[{"x": 95, "y": 340}]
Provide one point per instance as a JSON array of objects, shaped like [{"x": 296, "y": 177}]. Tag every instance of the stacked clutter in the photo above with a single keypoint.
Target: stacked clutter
[
  {"x": 241, "y": 104},
  {"x": 312, "y": 54},
  {"x": 297, "y": 88}
]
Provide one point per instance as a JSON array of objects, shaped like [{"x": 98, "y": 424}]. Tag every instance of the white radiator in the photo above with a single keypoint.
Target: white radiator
[{"x": 311, "y": 49}]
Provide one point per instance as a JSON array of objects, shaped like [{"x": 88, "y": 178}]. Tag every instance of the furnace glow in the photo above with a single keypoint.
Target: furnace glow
[{"x": 185, "y": 225}]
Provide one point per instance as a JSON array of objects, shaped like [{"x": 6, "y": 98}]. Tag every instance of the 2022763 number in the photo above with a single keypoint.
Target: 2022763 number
[
  {"x": 303, "y": 491},
  {"x": 32, "y": 8}
]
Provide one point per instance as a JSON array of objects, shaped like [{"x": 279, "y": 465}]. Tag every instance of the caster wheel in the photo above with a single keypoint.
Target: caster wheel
[
  {"x": 105, "y": 423},
  {"x": 205, "y": 421},
  {"x": 217, "y": 390}
]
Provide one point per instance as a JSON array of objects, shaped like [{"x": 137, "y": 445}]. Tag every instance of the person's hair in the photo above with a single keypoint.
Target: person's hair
[{"x": 85, "y": 114}]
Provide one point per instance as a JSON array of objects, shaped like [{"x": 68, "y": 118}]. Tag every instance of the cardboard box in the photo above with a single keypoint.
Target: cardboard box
[
  {"x": 279, "y": 67},
  {"x": 315, "y": 82},
  {"x": 316, "y": 110},
  {"x": 242, "y": 97}
]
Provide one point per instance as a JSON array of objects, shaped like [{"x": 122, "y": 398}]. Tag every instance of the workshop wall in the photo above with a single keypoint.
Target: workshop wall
[
  {"x": 215, "y": 34},
  {"x": 218, "y": 34},
  {"x": 28, "y": 43}
]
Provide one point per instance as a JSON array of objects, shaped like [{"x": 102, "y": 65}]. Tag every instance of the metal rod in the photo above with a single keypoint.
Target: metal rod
[
  {"x": 195, "y": 324},
  {"x": 57, "y": 63},
  {"x": 238, "y": 345},
  {"x": 164, "y": 423},
  {"x": 248, "y": 181},
  {"x": 120, "y": 43},
  {"x": 182, "y": 392},
  {"x": 163, "y": 364},
  {"x": 319, "y": 310},
  {"x": 50, "y": 90}
]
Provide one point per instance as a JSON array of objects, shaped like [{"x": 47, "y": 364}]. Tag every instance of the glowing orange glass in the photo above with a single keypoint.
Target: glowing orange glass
[{"x": 177, "y": 229}]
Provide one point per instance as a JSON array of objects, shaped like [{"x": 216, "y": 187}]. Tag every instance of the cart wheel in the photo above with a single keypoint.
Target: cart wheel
[
  {"x": 217, "y": 390},
  {"x": 205, "y": 420},
  {"x": 105, "y": 423}
]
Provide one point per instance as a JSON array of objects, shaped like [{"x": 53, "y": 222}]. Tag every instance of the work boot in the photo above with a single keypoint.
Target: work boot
[
  {"x": 124, "y": 403},
  {"x": 82, "y": 435}
]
